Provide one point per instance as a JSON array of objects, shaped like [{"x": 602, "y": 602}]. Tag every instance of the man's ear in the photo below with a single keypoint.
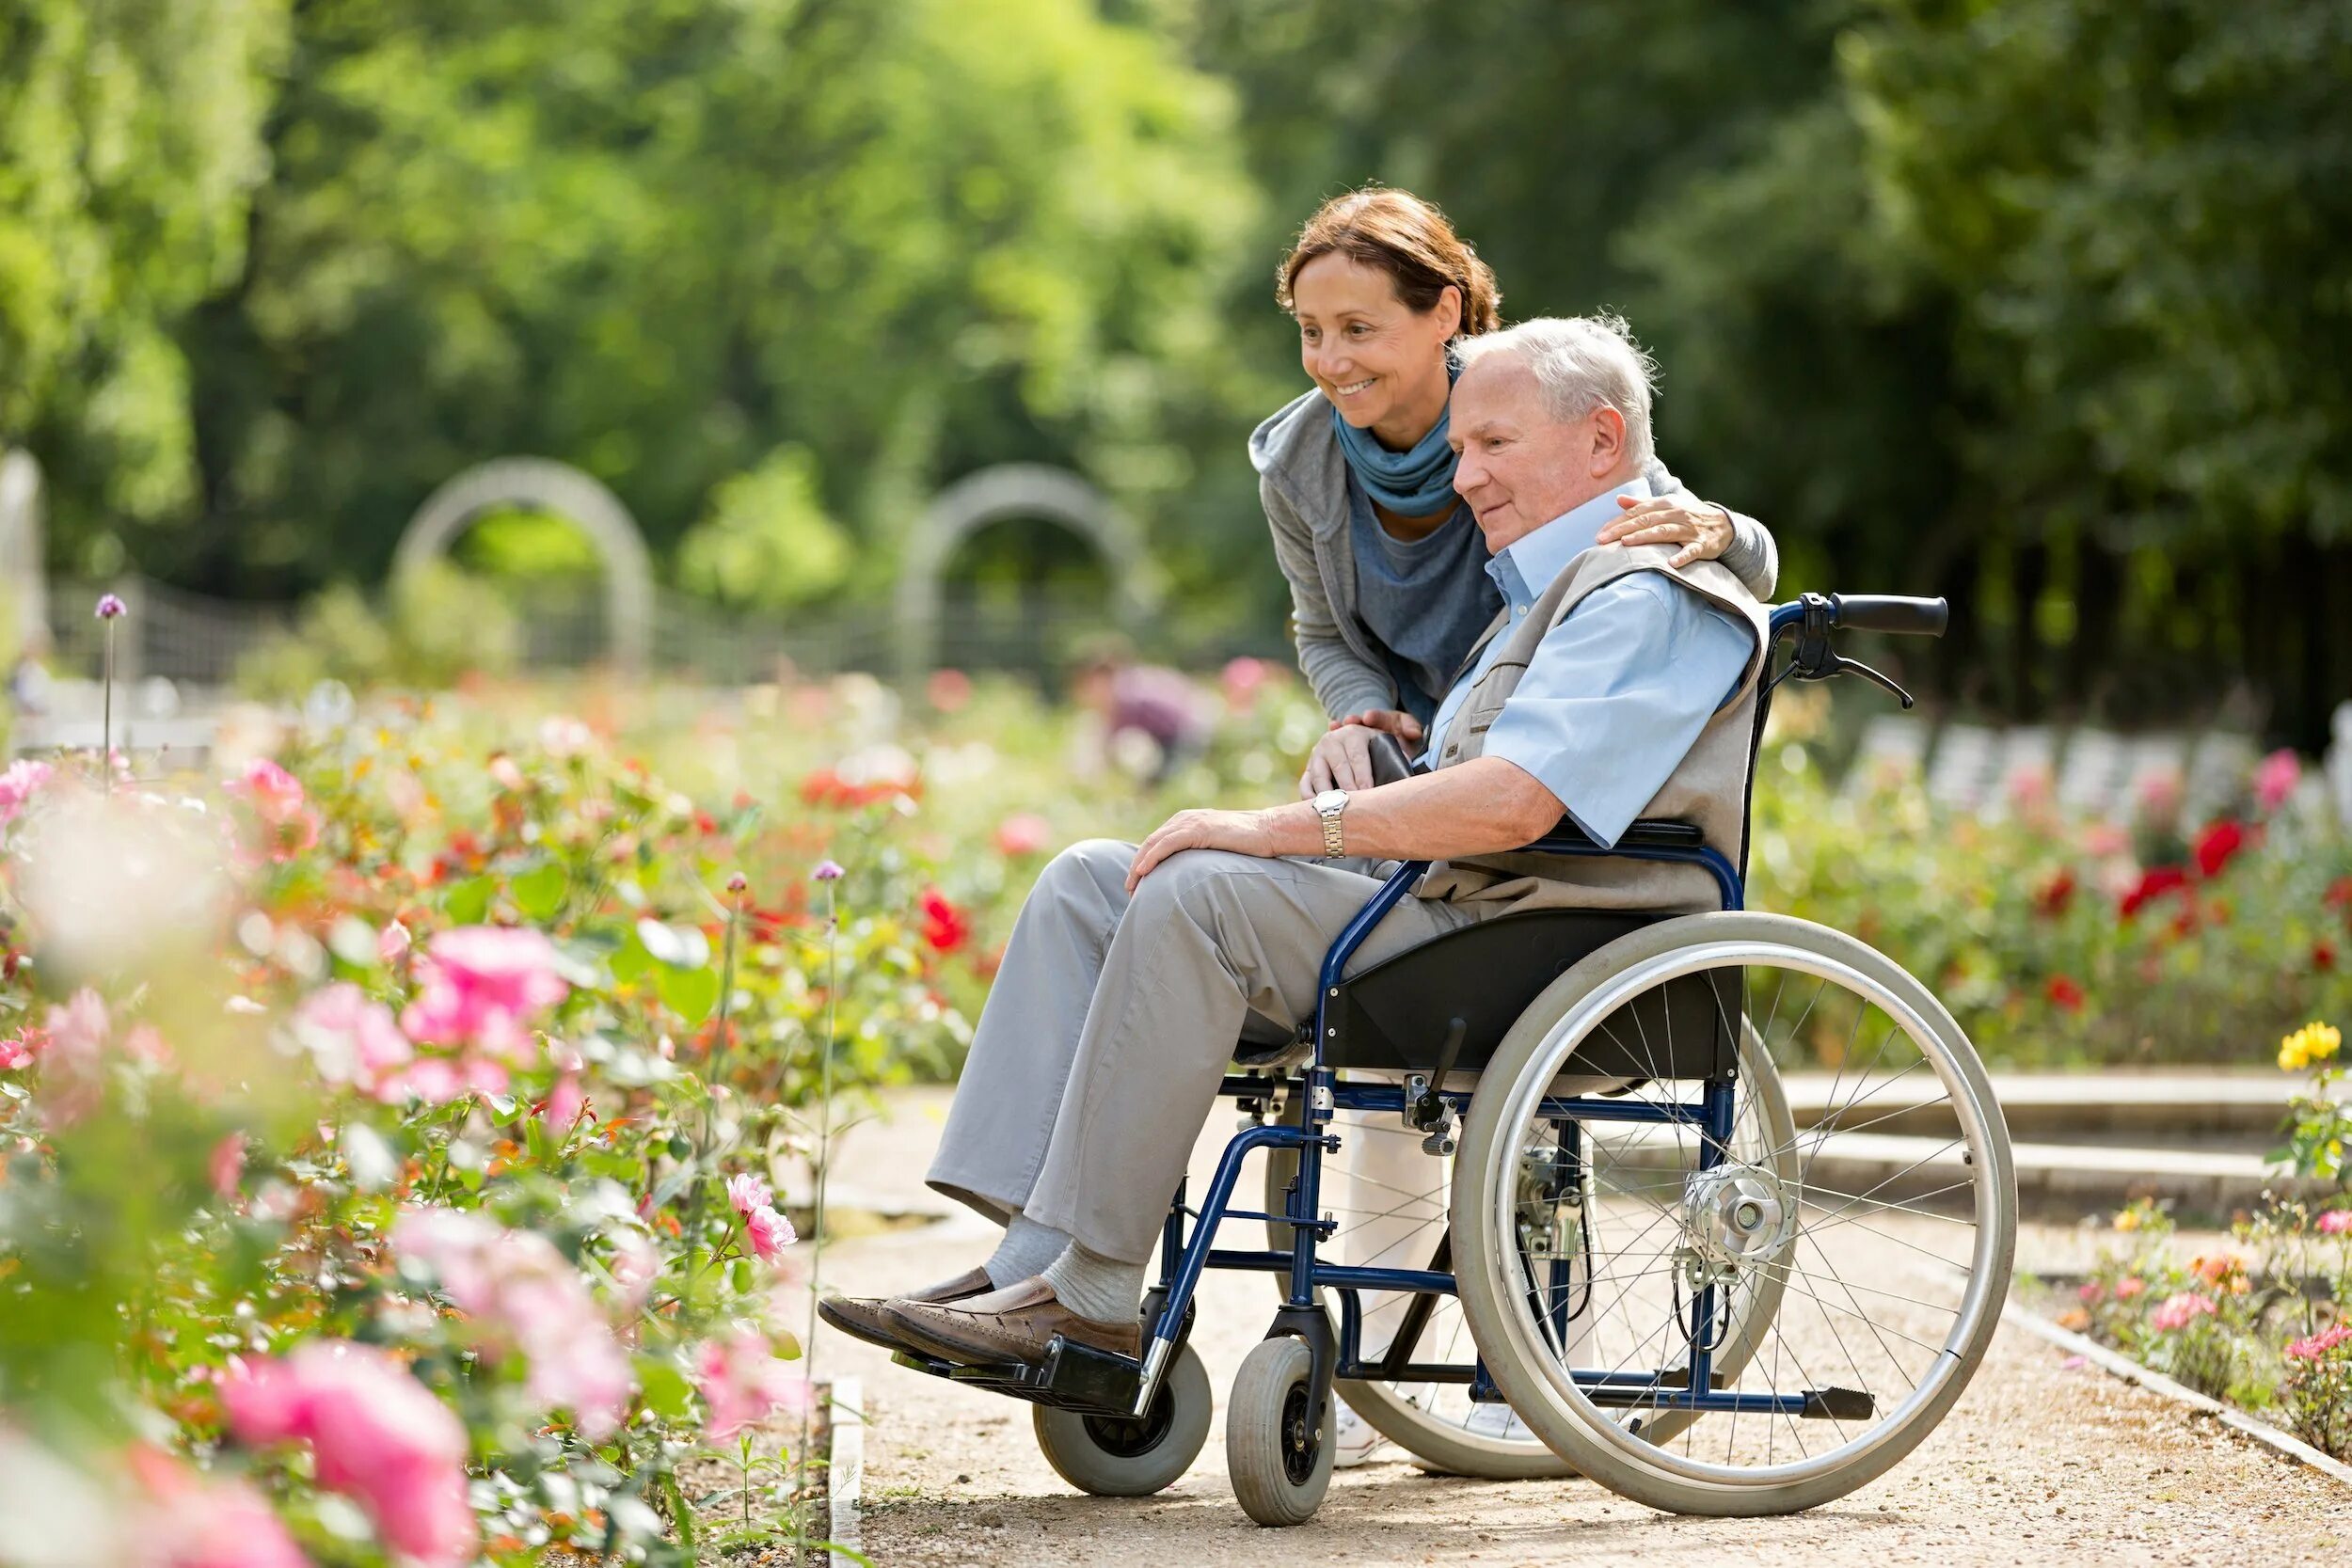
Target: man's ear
[{"x": 1608, "y": 436}]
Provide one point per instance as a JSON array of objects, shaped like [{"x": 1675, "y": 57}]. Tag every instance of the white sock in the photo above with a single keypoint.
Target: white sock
[
  {"x": 1025, "y": 1252},
  {"x": 1100, "y": 1289}
]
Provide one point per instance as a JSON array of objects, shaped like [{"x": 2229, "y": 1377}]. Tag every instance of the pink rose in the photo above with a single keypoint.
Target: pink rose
[
  {"x": 224, "y": 1166},
  {"x": 2275, "y": 778},
  {"x": 374, "y": 1432},
  {"x": 769, "y": 1234},
  {"x": 1022, "y": 834},
  {"x": 482, "y": 985},
  {"x": 352, "y": 1038},
  {"x": 2336, "y": 1222},
  {"x": 743, "y": 1381},
  {"x": 197, "y": 1521},
  {"x": 19, "y": 785},
  {"x": 2177, "y": 1312},
  {"x": 748, "y": 1192},
  {"x": 521, "y": 1295}
]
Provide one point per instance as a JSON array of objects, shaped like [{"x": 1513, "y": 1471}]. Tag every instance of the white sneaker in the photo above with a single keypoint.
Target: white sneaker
[
  {"x": 1357, "y": 1441},
  {"x": 1498, "y": 1421}
]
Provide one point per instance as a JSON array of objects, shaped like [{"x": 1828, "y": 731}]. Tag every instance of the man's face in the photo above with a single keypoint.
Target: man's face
[{"x": 1520, "y": 466}]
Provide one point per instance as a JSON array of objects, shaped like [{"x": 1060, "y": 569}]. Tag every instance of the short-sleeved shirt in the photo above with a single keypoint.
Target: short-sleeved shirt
[
  {"x": 1617, "y": 692},
  {"x": 1424, "y": 600}
]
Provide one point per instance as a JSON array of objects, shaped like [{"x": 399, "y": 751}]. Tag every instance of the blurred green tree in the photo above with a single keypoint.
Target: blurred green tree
[
  {"x": 130, "y": 146},
  {"x": 659, "y": 239}
]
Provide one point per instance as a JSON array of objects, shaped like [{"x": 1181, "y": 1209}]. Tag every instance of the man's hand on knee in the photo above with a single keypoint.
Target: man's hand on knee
[{"x": 1276, "y": 830}]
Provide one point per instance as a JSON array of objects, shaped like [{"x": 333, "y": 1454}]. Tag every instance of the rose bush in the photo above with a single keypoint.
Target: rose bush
[{"x": 2266, "y": 1322}]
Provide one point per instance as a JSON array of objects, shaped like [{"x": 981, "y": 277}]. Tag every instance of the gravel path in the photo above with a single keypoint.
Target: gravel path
[{"x": 2041, "y": 1462}]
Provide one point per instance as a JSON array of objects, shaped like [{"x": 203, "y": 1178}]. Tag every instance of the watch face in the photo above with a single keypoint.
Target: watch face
[{"x": 1330, "y": 800}]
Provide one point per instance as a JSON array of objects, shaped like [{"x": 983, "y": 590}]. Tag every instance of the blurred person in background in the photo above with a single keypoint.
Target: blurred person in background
[
  {"x": 1145, "y": 720},
  {"x": 28, "y": 679},
  {"x": 1388, "y": 568}
]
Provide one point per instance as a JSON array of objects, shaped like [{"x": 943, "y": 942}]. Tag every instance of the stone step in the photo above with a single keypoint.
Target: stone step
[
  {"x": 1896, "y": 1167},
  {"x": 2185, "y": 1110}
]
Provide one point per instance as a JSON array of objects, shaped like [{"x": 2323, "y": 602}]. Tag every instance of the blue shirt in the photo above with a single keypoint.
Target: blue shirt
[
  {"x": 1424, "y": 600},
  {"x": 1617, "y": 692}
]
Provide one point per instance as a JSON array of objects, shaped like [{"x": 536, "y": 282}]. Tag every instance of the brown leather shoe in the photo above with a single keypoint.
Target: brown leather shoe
[
  {"x": 867, "y": 1317},
  {"x": 1013, "y": 1324}
]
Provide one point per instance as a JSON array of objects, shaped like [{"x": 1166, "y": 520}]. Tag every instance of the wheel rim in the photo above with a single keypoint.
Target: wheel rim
[
  {"x": 1131, "y": 1438},
  {"x": 1298, "y": 1436},
  {"x": 1665, "y": 1231}
]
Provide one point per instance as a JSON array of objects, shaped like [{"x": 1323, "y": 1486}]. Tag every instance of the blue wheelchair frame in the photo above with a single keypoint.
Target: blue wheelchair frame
[{"x": 1183, "y": 1260}]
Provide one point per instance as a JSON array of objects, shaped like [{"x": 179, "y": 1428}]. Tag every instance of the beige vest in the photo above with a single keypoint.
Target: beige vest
[{"x": 1709, "y": 787}]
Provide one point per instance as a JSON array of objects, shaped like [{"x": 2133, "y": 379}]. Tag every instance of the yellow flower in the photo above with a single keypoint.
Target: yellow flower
[
  {"x": 2313, "y": 1042},
  {"x": 2127, "y": 1219}
]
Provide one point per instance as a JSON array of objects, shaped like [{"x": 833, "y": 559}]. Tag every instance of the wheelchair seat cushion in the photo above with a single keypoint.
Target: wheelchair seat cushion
[{"x": 1398, "y": 1014}]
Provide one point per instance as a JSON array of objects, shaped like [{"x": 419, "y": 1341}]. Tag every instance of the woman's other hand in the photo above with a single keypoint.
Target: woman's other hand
[
  {"x": 1702, "y": 528},
  {"x": 1343, "y": 758}
]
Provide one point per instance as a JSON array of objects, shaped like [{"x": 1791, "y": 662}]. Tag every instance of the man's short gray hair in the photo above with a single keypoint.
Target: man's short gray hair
[{"x": 1581, "y": 362}]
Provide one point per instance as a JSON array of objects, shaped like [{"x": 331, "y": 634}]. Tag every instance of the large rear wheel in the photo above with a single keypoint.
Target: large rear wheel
[{"x": 1880, "y": 1223}]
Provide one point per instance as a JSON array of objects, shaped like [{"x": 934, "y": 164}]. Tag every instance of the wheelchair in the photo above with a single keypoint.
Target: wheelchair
[{"x": 1646, "y": 1249}]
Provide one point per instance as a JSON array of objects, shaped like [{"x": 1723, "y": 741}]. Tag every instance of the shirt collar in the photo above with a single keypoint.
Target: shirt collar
[{"x": 1537, "y": 557}]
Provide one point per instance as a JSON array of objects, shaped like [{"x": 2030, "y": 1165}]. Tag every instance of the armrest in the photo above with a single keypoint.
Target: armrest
[{"x": 1657, "y": 834}]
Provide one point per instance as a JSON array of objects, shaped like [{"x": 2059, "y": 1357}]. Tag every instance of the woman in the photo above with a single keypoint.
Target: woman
[
  {"x": 1388, "y": 591},
  {"x": 1387, "y": 567}
]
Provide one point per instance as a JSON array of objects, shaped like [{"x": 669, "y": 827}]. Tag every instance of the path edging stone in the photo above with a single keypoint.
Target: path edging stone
[
  {"x": 2116, "y": 1364},
  {"x": 844, "y": 1473}
]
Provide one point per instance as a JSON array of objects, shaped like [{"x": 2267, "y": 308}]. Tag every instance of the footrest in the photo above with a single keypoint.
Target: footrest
[
  {"x": 1838, "y": 1405},
  {"x": 1070, "y": 1377}
]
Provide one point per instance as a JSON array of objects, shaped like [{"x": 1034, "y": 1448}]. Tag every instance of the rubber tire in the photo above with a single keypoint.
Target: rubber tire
[
  {"x": 1256, "y": 1450},
  {"x": 1475, "y": 1244},
  {"x": 1437, "y": 1444},
  {"x": 1073, "y": 1444}
]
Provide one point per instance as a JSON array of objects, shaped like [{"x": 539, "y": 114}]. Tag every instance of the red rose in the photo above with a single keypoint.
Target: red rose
[
  {"x": 2153, "y": 883},
  {"x": 2065, "y": 993},
  {"x": 2217, "y": 845},
  {"x": 946, "y": 928},
  {"x": 2056, "y": 895},
  {"x": 2339, "y": 893},
  {"x": 2323, "y": 956}
]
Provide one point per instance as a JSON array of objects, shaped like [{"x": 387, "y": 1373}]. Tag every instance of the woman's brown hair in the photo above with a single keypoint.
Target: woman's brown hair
[{"x": 1407, "y": 238}]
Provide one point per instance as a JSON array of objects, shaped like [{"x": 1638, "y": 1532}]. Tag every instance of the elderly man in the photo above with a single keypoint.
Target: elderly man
[{"x": 1613, "y": 685}]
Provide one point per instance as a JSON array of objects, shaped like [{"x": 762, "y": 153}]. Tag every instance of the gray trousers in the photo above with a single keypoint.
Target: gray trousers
[{"x": 1111, "y": 1020}]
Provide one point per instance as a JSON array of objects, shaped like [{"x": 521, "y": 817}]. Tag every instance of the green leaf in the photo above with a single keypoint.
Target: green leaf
[
  {"x": 539, "y": 892},
  {"x": 668, "y": 1394},
  {"x": 691, "y": 994},
  {"x": 466, "y": 902}
]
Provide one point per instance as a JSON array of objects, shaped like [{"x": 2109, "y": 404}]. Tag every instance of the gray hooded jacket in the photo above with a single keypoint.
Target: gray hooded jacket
[{"x": 1302, "y": 480}]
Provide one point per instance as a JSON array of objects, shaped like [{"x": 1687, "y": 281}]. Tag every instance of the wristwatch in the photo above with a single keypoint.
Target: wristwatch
[{"x": 1328, "y": 805}]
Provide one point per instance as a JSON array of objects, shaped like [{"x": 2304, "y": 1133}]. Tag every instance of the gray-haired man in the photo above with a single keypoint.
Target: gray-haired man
[{"x": 1612, "y": 686}]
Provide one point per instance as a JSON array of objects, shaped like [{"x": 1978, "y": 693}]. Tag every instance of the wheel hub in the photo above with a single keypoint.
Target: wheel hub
[{"x": 1734, "y": 1217}]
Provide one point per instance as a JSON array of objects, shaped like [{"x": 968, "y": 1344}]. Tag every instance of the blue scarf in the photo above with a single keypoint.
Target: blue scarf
[{"x": 1414, "y": 484}]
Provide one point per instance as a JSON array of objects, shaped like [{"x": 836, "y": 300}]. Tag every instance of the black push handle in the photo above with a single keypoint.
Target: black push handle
[{"x": 1891, "y": 613}]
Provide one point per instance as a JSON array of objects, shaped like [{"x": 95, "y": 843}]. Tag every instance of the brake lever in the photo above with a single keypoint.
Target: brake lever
[{"x": 1844, "y": 666}]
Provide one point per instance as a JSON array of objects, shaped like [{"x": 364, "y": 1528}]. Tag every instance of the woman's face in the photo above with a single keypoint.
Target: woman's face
[{"x": 1377, "y": 359}]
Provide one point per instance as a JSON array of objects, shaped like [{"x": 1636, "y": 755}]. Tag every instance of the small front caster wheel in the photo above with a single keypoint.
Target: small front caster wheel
[
  {"x": 1279, "y": 1455},
  {"x": 1114, "y": 1456}
]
